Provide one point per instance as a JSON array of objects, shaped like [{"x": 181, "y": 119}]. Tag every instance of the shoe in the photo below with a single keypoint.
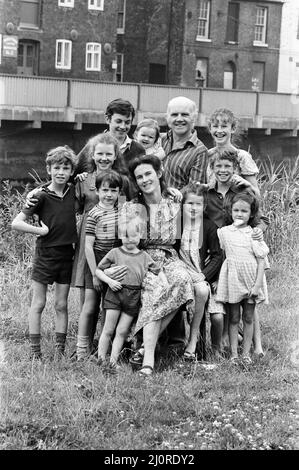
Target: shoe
[
  {"x": 246, "y": 360},
  {"x": 234, "y": 361},
  {"x": 137, "y": 358},
  {"x": 143, "y": 373},
  {"x": 189, "y": 357}
]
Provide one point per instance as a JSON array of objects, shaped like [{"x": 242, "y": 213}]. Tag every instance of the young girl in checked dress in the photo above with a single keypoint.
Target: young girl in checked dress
[{"x": 242, "y": 279}]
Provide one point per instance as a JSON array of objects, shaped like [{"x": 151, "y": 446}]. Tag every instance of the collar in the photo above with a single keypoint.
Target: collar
[
  {"x": 214, "y": 186},
  {"x": 126, "y": 144},
  {"x": 53, "y": 193},
  {"x": 193, "y": 139}
]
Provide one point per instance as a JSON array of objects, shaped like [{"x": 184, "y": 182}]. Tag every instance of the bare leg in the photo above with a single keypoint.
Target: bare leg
[
  {"x": 61, "y": 296},
  {"x": 257, "y": 340},
  {"x": 121, "y": 333},
  {"x": 225, "y": 335},
  {"x": 111, "y": 320},
  {"x": 201, "y": 293},
  {"x": 234, "y": 319},
  {"x": 37, "y": 306},
  {"x": 216, "y": 331},
  {"x": 248, "y": 312},
  {"x": 88, "y": 313}
]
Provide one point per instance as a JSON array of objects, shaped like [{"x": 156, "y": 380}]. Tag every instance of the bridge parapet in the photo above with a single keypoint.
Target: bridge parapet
[{"x": 40, "y": 99}]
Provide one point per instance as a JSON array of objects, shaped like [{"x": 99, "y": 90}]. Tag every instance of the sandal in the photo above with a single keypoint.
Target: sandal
[
  {"x": 234, "y": 361},
  {"x": 188, "y": 356},
  {"x": 142, "y": 372},
  {"x": 137, "y": 358},
  {"x": 247, "y": 360}
]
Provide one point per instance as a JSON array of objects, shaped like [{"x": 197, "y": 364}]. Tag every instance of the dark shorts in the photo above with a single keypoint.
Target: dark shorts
[
  {"x": 88, "y": 283},
  {"x": 53, "y": 264},
  {"x": 127, "y": 300}
]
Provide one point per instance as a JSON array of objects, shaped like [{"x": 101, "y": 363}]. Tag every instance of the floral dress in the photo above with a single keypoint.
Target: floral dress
[
  {"x": 238, "y": 271},
  {"x": 160, "y": 300}
]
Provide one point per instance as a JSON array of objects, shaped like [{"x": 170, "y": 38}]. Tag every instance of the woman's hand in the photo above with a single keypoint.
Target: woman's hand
[
  {"x": 257, "y": 234},
  {"x": 81, "y": 176},
  {"x": 116, "y": 272},
  {"x": 175, "y": 193}
]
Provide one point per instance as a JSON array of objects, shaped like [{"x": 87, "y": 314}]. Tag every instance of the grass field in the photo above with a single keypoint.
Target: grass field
[{"x": 66, "y": 405}]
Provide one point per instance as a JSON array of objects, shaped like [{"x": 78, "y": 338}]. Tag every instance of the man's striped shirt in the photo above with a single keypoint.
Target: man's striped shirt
[{"x": 184, "y": 162}]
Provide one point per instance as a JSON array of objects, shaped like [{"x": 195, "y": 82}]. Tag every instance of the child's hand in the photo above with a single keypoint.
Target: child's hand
[
  {"x": 30, "y": 199},
  {"x": 114, "y": 285},
  {"x": 237, "y": 180},
  {"x": 43, "y": 229},
  {"x": 257, "y": 234},
  {"x": 81, "y": 176},
  {"x": 254, "y": 292},
  {"x": 96, "y": 282},
  {"x": 175, "y": 193}
]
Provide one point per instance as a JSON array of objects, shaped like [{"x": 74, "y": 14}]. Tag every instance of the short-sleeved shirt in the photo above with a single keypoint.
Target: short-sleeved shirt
[
  {"x": 186, "y": 163},
  {"x": 101, "y": 223},
  {"x": 58, "y": 213},
  {"x": 138, "y": 264}
]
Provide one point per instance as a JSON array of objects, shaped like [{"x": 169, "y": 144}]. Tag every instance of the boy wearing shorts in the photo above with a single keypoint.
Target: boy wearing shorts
[{"x": 56, "y": 234}]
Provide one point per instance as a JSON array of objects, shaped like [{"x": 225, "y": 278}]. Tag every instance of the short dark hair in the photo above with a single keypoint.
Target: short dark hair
[
  {"x": 111, "y": 177},
  {"x": 230, "y": 155},
  {"x": 195, "y": 188},
  {"x": 152, "y": 160},
  {"x": 120, "y": 106},
  {"x": 249, "y": 197}
]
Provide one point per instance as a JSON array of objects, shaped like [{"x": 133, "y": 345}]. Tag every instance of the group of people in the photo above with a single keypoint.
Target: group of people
[{"x": 168, "y": 230}]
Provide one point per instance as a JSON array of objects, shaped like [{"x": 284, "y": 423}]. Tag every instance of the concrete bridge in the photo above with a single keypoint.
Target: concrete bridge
[{"x": 34, "y": 100}]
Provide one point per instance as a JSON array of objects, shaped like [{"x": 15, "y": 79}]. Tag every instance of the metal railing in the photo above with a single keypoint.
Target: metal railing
[{"x": 90, "y": 96}]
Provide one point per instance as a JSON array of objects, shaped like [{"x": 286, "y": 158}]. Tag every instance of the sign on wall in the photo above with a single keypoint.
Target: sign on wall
[{"x": 10, "y": 46}]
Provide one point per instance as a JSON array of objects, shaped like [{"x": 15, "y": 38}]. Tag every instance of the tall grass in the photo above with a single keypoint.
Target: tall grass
[{"x": 68, "y": 405}]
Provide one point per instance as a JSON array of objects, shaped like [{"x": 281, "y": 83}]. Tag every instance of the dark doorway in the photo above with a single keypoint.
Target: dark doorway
[{"x": 157, "y": 74}]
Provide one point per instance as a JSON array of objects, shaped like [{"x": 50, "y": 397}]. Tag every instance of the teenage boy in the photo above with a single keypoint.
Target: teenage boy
[
  {"x": 220, "y": 193},
  {"x": 119, "y": 116},
  {"x": 55, "y": 206}
]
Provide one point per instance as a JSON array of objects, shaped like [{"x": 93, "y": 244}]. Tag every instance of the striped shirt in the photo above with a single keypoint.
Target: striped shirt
[
  {"x": 184, "y": 162},
  {"x": 101, "y": 223}
]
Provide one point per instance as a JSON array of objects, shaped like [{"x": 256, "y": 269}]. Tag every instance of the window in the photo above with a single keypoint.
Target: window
[
  {"x": 95, "y": 4},
  {"x": 28, "y": 57},
  {"x": 93, "y": 56},
  {"x": 121, "y": 14},
  {"x": 66, "y": 3},
  {"x": 63, "y": 58},
  {"x": 29, "y": 13},
  {"x": 232, "y": 28},
  {"x": 120, "y": 67},
  {"x": 260, "y": 26},
  {"x": 157, "y": 74},
  {"x": 229, "y": 75},
  {"x": 201, "y": 72},
  {"x": 203, "y": 20}
]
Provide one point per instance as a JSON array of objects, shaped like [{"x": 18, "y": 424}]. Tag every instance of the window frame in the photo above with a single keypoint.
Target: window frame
[
  {"x": 236, "y": 19},
  {"x": 121, "y": 73},
  {"x": 206, "y": 19},
  {"x": 262, "y": 42},
  {"x": 31, "y": 25},
  {"x": 123, "y": 12},
  {"x": 69, "y": 4},
  {"x": 95, "y": 7},
  {"x": 63, "y": 42},
  {"x": 93, "y": 54}
]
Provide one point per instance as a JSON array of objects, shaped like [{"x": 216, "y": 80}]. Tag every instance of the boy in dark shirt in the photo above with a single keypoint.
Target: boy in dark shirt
[{"x": 55, "y": 207}]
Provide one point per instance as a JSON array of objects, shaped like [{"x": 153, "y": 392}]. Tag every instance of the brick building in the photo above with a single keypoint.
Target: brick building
[
  {"x": 212, "y": 43},
  {"x": 59, "y": 38}
]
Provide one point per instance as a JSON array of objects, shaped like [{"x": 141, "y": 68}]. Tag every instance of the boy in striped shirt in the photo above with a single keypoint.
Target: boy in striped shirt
[{"x": 101, "y": 236}]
